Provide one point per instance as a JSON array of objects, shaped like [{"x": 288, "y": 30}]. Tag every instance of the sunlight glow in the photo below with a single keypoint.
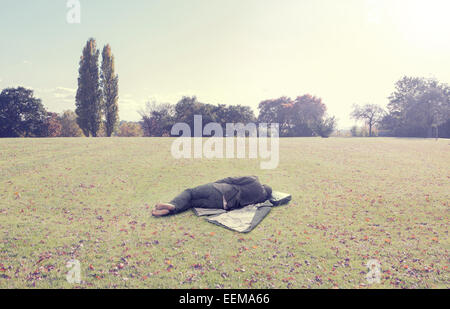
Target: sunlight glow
[{"x": 423, "y": 22}]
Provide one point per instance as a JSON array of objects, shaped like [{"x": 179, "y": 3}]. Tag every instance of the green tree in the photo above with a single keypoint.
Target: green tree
[
  {"x": 88, "y": 98},
  {"x": 417, "y": 107},
  {"x": 69, "y": 126},
  {"x": 157, "y": 119},
  {"x": 21, "y": 114},
  {"x": 295, "y": 117},
  {"x": 53, "y": 125},
  {"x": 234, "y": 114},
  {"x": 307, "y": 112},
  {"x": 110, "y": 89},
  {"x": 130, "y": 129},
  {"x": 188, "y": 107},
  {"x": 431, "y": 109},
  {"x": 324, "y": 127},
  {"x": 239, "y": 114},
  {"x": 278, "y": 111},
  {"x": 370, "y": 113}
]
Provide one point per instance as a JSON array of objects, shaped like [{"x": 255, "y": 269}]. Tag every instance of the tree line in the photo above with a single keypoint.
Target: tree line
[
  {"x": 96, "y": 113},
  {"x": 303, "y": 116},
  {"x": 419, "y": 107},
  {"x": 158, "y": 119},
  {"x": 23, "y": 115}
]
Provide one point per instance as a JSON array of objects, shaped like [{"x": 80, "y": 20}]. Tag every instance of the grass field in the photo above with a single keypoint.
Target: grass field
[{"x": 353, "y": 200}]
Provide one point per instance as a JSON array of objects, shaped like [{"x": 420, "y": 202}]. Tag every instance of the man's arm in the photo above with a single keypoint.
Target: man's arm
[{"x": 238, "y": 180}]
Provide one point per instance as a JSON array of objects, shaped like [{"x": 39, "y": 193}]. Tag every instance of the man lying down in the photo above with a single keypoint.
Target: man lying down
[{"x": 229, "y": 193}]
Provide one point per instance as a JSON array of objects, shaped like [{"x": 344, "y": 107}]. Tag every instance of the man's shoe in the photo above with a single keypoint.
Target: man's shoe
[{"x": 161, "y": 206}]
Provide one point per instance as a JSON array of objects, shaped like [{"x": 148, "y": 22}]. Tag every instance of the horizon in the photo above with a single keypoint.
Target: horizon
[{"x": 234, "y": 52}]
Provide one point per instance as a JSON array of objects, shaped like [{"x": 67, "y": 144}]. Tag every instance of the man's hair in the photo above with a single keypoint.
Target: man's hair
[{"x": 268, "y": 191}]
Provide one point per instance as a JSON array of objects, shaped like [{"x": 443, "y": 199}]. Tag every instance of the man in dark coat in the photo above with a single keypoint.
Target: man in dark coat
[{"x": 229, "y": 193}]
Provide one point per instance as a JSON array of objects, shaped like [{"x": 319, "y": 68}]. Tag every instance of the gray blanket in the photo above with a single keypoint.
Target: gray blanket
[{"x": 243, "y": 220}]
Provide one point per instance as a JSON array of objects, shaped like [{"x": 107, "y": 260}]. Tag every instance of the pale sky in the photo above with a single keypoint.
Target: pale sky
[{"x": 228, "y": 51}]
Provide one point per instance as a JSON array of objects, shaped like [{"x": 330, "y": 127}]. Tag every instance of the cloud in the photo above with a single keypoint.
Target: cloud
[
  {"x": 60, "y": 98},
  {"x": 129, "y": 108},
  {"x": 64, "y": 93},
  {"x": 27, "y": 62},
  {"x": 57, "y": 99},
  {"x": 172, "y": 98}
]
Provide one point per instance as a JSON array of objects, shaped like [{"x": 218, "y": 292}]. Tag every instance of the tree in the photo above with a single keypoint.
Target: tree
[
  {"x": 444, "y": 130},
  {"x": 238, "y": 114},
  {"x": 110, "y": 89},
  {"x": 277, "y": 111},
  {"x": 21, "y": 114},
  {"x": 370, "y": 113},
  {"x": 188, "y": 107},
  {"x": 324, "y": 127},
  {"x": 295, "y": 117},
  {"x": 430, "y": 109},
  {"x": 354, "y": 131},
  {"x": 307, "y": 112},
  {"x": 417, "y": 107},
  {"x": 53, "y": 125},
  {"x": 157, "y": 119},
  {"x": 69, "y": 126},
  {"x": 233, "y": 114},
  {"x": 88, "y": 98},
  {"x": 130, "y": 129}
]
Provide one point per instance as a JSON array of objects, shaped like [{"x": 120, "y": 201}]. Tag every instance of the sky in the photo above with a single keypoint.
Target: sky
[{"x": 228, "y": 51}]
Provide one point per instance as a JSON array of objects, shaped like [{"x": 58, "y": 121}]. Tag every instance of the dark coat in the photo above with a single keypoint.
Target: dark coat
[{"x": 241, "y": 191}]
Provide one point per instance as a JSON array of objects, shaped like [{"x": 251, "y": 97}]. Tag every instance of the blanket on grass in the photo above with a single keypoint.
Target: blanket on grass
[{"x": 243, "y": 220}]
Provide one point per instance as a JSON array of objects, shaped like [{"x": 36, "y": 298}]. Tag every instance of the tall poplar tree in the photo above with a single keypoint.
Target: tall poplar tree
[
  {"x": 110, "y": 91},
  {"x": 89, "y": 96}
]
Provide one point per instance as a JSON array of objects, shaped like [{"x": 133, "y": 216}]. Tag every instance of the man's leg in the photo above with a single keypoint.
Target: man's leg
[
  {"x": 205, "y": 196},
  {"x": 178, "y": 204},
  {"x": 182, "y": 202}
]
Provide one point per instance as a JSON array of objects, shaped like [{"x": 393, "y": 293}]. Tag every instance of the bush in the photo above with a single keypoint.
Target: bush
[
  {"x": 130, "y": 129},
  {"x": 69, "y": 126},
  {"x": 52, "y": 126},
  {"x": 363, "y": 131},
  {"x": 325, "y": 127}
]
